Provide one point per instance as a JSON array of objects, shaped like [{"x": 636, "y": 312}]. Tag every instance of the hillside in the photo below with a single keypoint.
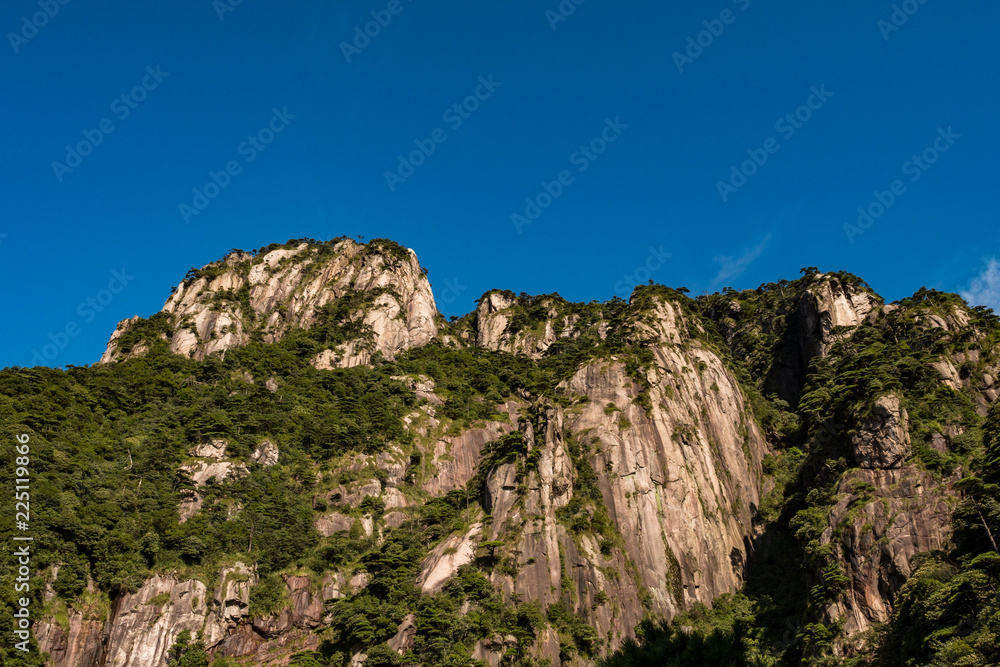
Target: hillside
[{"x": 300, "y": 461}]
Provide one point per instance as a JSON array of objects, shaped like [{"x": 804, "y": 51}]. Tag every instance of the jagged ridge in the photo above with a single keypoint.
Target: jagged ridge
[{"x": 615, "y": 460}]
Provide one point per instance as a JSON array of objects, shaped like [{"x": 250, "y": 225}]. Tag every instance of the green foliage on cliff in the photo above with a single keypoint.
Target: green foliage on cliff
[
  {"x": 727, "y": 635},
  {"x": 187, "y": 652},
  {"x": 948, "y": 612},
  {"x": 108, "y": 443}
]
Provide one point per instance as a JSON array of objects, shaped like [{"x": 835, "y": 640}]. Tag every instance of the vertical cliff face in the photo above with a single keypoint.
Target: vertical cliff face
[
  {"x": 887, "y": 511},
  {"x": 874, "y": 536},
  {"x": 140, "y": 628},
  {"x": 683, "y": 470},
  {"x": 906, "y": 449},
  {"x": 668, "y": 456},
  {"x": 831, "y": 305},
  {"x": 265, "y": 296},
  {"x": 827, "y": 311}
]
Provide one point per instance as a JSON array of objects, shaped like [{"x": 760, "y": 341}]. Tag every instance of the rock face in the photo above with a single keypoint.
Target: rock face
[
  {"x": 831, "y": 303},
  {"x": 266, "y": 454},
  {"x": 883, "y": 441},
  {"x": 447, "y": 557},
  {"x": 890, "y": 509},
  {"x": 875, "y": 532},
  {"x": 404, "y": 639},
  {"x": 142, "y": 627},
  {"x": 680, "y": 481},
  {"x": 497, "y": 326},
  {"x": 269, "y": 294},
  {"x": 827, "y": 312},
  {"x": 78, "y": 644},
  {"x": 148, "y": 620}
]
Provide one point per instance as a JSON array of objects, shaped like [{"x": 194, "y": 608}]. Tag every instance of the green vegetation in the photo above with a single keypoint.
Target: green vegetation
[
  {"x": 187, "y": 653},
  {"x": 948, "y": 612},
  {"x": 724, "y": 636},
  {"x": 108, "y": 444}
]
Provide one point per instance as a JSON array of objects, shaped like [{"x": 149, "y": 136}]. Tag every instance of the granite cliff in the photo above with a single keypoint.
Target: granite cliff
[{"x": 532, "y": 481}]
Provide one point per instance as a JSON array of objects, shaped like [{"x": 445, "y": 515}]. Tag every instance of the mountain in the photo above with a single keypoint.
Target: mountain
[{"x": 300, "y": 461}]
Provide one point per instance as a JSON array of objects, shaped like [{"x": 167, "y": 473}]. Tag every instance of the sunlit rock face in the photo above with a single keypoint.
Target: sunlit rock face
[{"x": 264, "y": 296}]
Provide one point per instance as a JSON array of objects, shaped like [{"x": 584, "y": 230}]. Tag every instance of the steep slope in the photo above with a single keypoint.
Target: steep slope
[
  {"x": 636, "y": 498},
  {"x": 911, "y": 432},
  {"x": 871, "y": 465},
  {"x": 779, "y": 328}
]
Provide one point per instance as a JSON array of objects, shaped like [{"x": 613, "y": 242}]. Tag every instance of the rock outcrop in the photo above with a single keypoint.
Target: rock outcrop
[
  {"x": 883, "y": 440},
  {"x": 831, "y": 304},
  {"x": 884, "y": 517},
  {"x": 892, "y": 508},
  {"x": 447, "y": 557},
  {"x": 499, "y": 324},
  {"x": 680, "y": 479},
  {"x": 212, "y": 465},
  {"x": 804, "y": 323},
  {"x": 265, "y": 296},
  {"x": 142, "y": 626}
]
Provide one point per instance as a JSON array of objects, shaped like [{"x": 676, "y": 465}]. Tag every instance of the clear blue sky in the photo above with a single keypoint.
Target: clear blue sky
[{"x": 213, "y": 82}]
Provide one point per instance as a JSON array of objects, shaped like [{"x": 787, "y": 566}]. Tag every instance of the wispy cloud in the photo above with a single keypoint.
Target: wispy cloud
[
  {"x": 984, "y": 290},
  {"x": 730, "y": 268}
]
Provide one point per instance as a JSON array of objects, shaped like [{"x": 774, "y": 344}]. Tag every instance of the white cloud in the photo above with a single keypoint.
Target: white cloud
[
  {"x": 984, "y": 290},
  {"x": 730, "y": 268}
]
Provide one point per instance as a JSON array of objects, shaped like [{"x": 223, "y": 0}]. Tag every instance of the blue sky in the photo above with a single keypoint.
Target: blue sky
[{"x": 623, "y": 132}]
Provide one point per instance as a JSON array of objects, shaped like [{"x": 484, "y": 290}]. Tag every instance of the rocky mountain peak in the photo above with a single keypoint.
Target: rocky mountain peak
[{"x": 264, "y": 295}]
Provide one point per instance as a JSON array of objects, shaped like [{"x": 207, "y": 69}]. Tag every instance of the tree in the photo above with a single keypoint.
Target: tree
[
  {"x": 185, "y": 653},
  {"x": 491, "y": 548},
  {"x": 382, "y": 656},
  {"x": 307, "y": 659},
  {"x": 991, "y": 444}
]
